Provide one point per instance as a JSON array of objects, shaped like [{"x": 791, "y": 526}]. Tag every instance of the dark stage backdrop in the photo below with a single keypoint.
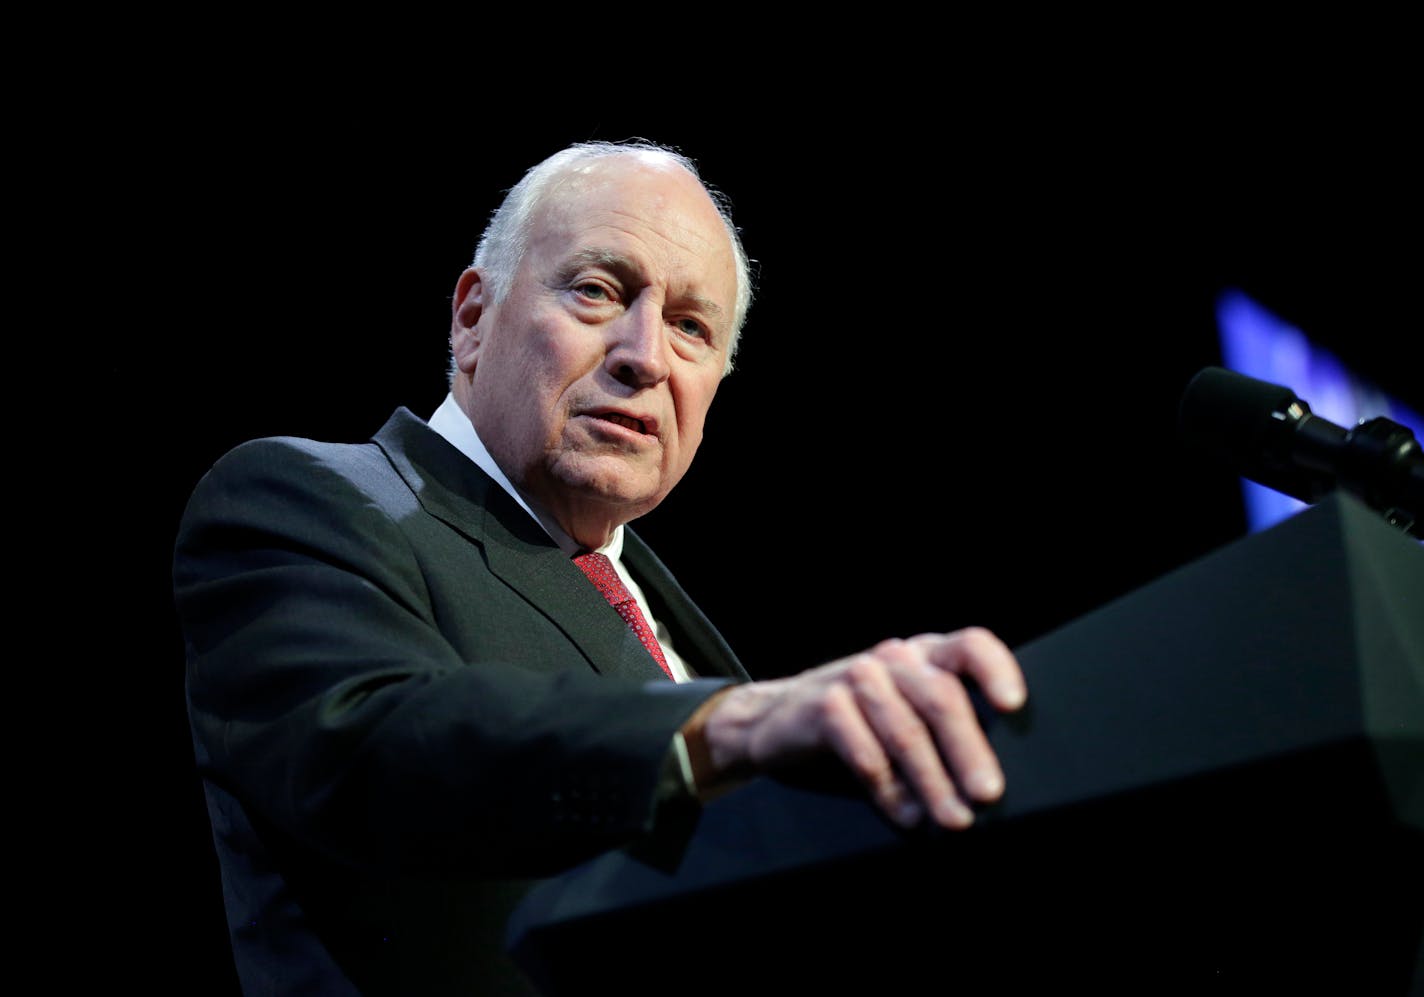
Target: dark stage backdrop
[{"x": 955, "y": 403}]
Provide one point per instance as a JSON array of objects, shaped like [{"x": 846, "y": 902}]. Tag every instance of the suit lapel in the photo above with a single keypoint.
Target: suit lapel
[
  {"x": 694, "y": 636},
  {"x": 452, "y": 488}
]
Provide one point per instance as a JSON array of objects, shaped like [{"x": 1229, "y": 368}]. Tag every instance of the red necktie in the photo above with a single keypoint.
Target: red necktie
[{"x": 600, "y": 571}]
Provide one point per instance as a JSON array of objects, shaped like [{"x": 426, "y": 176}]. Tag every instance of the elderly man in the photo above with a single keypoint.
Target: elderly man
[{"x": 408, "y": 688}]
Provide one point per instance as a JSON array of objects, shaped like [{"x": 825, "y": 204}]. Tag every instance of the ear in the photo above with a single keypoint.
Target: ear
[{"x": 467, "y": 309}]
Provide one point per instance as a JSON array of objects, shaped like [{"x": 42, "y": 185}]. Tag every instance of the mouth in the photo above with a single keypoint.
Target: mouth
[
  {"x": 645, "y": 426},
  {"x": 627, "y": 421}
]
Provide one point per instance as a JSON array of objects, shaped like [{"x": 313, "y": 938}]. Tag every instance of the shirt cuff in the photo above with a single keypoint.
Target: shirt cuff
[{"x": 676, "y": 779}]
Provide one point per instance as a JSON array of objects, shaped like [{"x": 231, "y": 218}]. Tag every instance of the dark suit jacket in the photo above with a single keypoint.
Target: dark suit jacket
[{"x": 406, "y": 702}]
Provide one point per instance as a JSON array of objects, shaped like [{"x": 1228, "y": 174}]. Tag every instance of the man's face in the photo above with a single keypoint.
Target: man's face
[{"x": 591, "y": 378}]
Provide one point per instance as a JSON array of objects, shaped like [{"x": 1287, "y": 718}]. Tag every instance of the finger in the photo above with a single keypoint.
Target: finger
[
  {"x": 943, "y": 703},
  {"x": 902, "y": 733},
  {"x": 977, "y": 653},
  {"x": 850, "y": 735}
]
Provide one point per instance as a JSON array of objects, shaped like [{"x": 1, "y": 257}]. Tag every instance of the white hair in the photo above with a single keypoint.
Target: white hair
[{"x": 506, "y": 237}]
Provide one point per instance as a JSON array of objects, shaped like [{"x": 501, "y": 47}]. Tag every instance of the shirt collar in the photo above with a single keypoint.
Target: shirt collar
[{"x": 451, "y": 422}]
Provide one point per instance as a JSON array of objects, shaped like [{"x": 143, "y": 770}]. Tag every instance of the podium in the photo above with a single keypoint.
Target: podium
[{"x": 1217, "y": 786}]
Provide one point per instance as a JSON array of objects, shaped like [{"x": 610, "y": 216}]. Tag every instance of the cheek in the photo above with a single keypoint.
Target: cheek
[
  {"x": 553, "y": 362},
  {"x": 520, "y": 400},
  {"x": 539, "y": 383},
  {"x": 692, "y": 407}
]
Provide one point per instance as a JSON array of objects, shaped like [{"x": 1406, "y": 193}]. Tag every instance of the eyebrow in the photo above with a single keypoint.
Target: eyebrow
[{"x": 617, "y": 261}]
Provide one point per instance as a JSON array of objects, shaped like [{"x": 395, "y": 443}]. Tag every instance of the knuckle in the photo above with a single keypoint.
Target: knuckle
[
  {"x": 978, "y": 640},
  {"x": 901, "y": 739},
  {"x": 842, "y": 725},
  {"x": 834, "y": 708},
  {"x": 947, "y": 700},
  {"x": 864, "y": 672},
  {"x": 869, "y": 768}
]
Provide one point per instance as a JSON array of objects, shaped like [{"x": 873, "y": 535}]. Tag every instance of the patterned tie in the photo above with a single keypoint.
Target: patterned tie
[{"x": 600, "y": 571}]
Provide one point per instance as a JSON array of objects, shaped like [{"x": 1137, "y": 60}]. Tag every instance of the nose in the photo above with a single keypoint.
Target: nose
[{"x": 637, "y": 351}]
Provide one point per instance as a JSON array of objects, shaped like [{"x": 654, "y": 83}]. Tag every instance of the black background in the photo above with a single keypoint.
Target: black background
[{"x": 977, "y": 309}]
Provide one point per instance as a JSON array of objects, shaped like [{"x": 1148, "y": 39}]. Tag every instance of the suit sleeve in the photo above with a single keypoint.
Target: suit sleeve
[{"x": 325, "y": 698}]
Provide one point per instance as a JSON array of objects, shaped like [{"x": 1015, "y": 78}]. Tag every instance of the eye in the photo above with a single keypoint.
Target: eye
[
  {"x": 593, "y": 291},
  {"x": 692, "y": 328}
]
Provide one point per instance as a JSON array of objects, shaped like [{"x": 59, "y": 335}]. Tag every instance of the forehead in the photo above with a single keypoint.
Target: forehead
[{"x": 656, "y": 215}]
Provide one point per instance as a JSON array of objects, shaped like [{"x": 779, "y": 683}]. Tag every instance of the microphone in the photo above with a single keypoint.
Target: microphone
[{"x": 1267, "y": 434}]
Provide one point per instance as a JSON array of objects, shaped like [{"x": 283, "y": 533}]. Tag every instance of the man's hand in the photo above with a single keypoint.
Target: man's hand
[{"x": 898, "y": 715}]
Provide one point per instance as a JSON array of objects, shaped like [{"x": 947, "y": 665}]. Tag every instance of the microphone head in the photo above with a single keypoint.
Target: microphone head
[
  {"x": 1230, "y": 416},
  {"x": 1252, "y": 427}
]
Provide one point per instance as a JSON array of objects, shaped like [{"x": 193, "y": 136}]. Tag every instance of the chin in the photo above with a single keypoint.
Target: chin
[{"x": 630, "y": 491}]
